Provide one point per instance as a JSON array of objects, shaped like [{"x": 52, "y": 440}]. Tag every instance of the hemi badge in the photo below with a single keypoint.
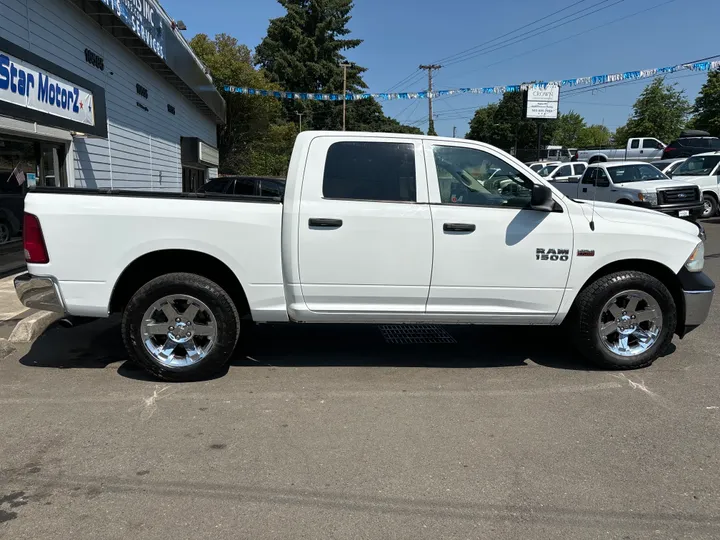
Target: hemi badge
[{"x": 586, "y": 253}]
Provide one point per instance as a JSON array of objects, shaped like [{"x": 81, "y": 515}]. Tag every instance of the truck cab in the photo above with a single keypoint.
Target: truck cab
[{"x": 636, "y": 149}]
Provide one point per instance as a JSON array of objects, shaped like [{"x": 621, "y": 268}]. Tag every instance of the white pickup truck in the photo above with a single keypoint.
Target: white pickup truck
[
  {"x": 372, "y": 228},
  {"x": 703, "y": 170},
  {"x": 636, "y": 183},
  {"x": 637, "y": 149}
]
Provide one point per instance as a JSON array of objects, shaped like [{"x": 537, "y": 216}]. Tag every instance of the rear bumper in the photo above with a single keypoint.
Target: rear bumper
[
  {"x": 698, "y": 291},
  {"x": 39, "y": 293}
]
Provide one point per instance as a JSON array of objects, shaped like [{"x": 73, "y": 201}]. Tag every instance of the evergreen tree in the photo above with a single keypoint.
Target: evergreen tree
[
  {"x": 707, "y": 106},
  {"x": 303, "y": 51}
]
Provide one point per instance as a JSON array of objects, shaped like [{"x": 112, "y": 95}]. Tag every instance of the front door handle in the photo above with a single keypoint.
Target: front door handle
[
  {"x": 459, "y": 227},
  {"x": 325, "y": 223}
]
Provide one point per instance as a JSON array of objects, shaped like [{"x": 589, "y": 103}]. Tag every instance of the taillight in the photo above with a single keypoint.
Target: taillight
[
  {"x": 577, "y": 156},
  {"x": 33, "y": 241},
  {"x": 669, "y": 149}
]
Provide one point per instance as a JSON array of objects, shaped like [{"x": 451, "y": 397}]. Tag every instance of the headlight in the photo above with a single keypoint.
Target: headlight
[
  {"x": 649, "y": 197},
  {"x": 696, "y": 262}
]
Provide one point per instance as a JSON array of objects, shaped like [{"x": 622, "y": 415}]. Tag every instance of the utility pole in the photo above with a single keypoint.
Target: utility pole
[
  {"x": 345, "y": 66},
  {"x": 454, "y": 131},
  {"x": 431, "y": 122},
  {"x": 300, "y": 115}
]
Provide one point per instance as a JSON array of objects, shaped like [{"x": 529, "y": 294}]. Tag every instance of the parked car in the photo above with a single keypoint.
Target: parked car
[
  {"x": 639, "y": 184},
  {"x": 668, "y": 166},
  {"x": 637, "y": 149},
  {"x": 703, "y": 170},
  {"x": 567, "y": 172},
  {"x": 373, "y": 228},
  {"x": 690, "y": 143},
  {"x": 537, "y": 165},
  {"x": 259, "y": 186}
]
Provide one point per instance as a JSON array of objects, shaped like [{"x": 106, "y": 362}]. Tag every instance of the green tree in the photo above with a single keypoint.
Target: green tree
[
  {"x": 706, "y": 113},
  {"x": 502, "y": 125},
  {"x": 594, "y": 135},
  {"x": 255, "y": 139},
  {"x": 568, "y": 130},
  {"x": 661, "y": 111}
]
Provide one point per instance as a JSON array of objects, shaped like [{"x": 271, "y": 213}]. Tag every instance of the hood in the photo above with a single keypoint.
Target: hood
[
  {"x": 621, "y": 213},
  {"x": 705, "y": 180},
  {"x": 653, "y": 185}
]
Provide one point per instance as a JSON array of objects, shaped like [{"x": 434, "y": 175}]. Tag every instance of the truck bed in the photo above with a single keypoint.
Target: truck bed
[{"x": 92, "y": 235}]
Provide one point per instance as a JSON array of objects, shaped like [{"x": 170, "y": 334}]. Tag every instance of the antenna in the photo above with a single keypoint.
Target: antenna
[{"x": 592, "y": 217}]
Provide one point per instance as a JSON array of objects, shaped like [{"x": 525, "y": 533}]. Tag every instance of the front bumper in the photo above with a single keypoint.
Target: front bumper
[
  {"x": 694, "y": 209},
  {"x": 39, "y": 293},
  {"x": 698, "y": 291}
]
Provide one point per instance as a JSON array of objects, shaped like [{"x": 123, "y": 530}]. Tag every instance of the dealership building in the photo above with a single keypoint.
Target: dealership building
[{"x": 102, "y": 94}]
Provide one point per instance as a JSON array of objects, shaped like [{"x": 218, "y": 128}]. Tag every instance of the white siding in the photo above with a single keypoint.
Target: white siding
[{"x": 142, "y": 150}]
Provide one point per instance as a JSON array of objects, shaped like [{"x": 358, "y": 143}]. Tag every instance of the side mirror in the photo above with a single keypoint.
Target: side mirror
[
  {"x": 602, "y": 182},
  {"x": 541, "y": 198}
]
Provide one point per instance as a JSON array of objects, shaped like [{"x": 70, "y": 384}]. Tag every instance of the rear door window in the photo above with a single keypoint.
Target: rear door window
[
  {"x": 565, "y": 170},
  {"x": 370, "y": 171},
  {"x": 245, "y": 186}
]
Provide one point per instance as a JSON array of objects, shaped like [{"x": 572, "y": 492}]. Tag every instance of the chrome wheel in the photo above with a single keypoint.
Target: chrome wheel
[
  {"x": 630, "y": 323},
  {"x": 179, "y": 330},
  {"x": 707, "y": 208}
]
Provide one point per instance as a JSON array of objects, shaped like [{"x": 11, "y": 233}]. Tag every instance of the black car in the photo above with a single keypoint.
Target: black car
[
  {"x": 691, "y": 142},
  {"x": 258, "y": 186}
]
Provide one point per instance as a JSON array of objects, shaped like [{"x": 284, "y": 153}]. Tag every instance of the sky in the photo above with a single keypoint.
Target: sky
[{"x": 509, "y": 42}]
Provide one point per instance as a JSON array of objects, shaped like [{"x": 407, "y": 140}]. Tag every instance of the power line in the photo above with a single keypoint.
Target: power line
[
  {"x": 503, "y": 36},
  {"x": 583, "y": 33},
  {"x": 534, "y": 33},
  {"x": 414, "y": 74}
]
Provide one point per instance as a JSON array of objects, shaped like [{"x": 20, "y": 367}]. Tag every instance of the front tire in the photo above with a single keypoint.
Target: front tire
[
  {"x": 625, "y": 320},
  {"x": 710, "y": 206},
  {"x": 181, "y": 327}
]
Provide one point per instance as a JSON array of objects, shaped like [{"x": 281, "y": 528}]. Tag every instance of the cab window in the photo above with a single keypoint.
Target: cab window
[{"x": 468, "y": 176}]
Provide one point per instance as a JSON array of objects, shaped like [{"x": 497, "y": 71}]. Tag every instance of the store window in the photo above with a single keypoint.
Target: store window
[
  {"x": 23, "y": 162},
  {"x": 192, "y": 179}
]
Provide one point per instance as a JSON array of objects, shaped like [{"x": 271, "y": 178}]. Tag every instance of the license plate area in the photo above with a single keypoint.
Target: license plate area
[{"x": 683, "y": 213}]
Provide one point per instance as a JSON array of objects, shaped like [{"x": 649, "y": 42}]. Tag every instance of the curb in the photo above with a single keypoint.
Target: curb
[{"x": 30, "y": 328}]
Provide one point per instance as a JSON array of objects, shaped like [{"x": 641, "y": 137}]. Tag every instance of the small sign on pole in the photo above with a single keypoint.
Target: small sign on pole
[{"x": 542, "y": 102}]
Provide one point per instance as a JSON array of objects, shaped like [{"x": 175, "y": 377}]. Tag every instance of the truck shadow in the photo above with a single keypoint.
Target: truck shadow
[{"x": 97, "y": 345}]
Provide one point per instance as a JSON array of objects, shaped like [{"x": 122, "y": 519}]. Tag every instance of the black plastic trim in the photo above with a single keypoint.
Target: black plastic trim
[{"x": 695, "y": 281}]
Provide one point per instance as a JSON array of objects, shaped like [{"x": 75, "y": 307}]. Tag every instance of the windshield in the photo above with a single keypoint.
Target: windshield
[
  {"x": 635, "y": 173},
  {"x": 547, "y": 170},
  {"x": 697, "y": 166}
]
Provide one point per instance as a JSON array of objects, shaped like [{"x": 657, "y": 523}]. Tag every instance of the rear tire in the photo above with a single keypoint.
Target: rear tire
[
  {"x": 195, "y": 347},
  {"x": 615, "y": 328},
  {"x": 710, "y": 206}
]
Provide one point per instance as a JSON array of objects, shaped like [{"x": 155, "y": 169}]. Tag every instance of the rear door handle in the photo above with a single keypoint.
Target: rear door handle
[
  {"x": 458, "y": 227},
  {"x": 325, "y": 223}
]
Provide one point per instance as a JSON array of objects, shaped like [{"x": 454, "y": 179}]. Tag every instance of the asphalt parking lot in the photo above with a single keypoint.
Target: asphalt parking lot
[{"x": 323, "y": 432}]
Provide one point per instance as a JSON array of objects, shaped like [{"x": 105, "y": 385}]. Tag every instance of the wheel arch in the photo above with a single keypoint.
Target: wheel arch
[
  {"x": 155, "y": 264},
  {"x": 653, "y": 268},
  {"x": 597, "y": 158},
  {"x": 712, "y": 194}
]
